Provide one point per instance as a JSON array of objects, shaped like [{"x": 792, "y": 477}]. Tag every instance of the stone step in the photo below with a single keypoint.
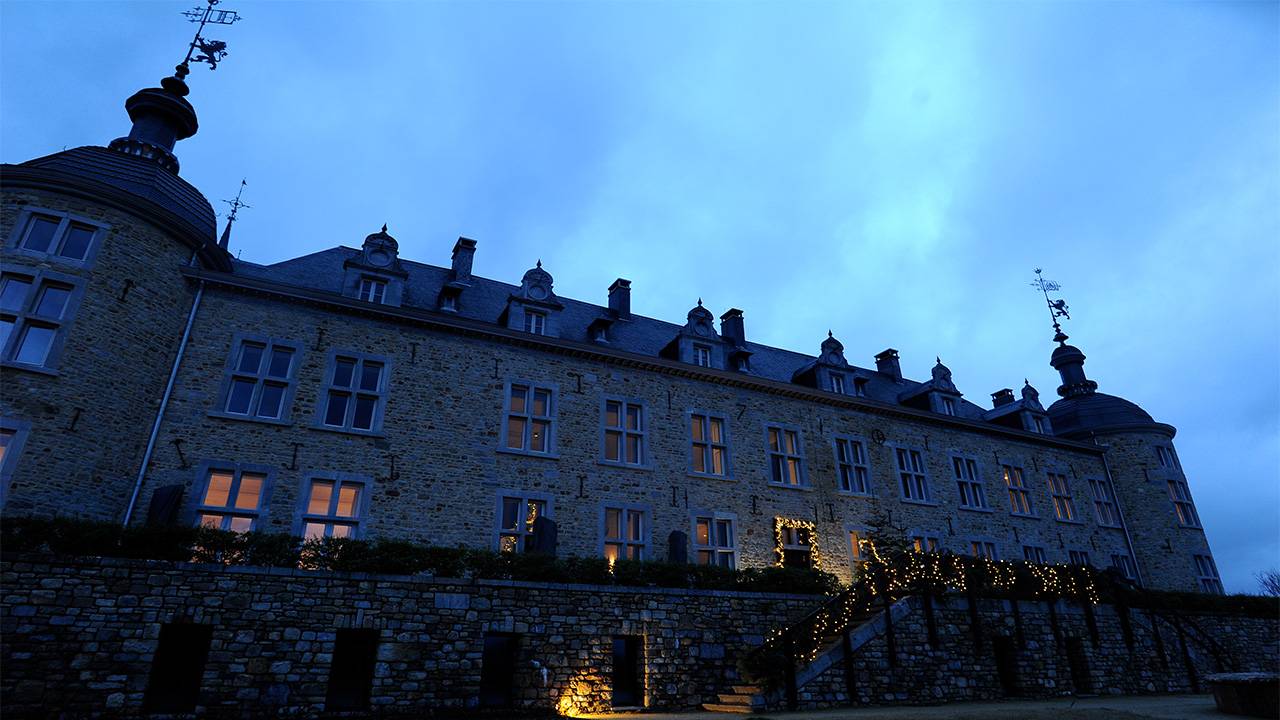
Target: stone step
[
  {"x": 747, "y": 689},
  {"x": 739, "y": 699},
  {"x": 738, "y": 709}
]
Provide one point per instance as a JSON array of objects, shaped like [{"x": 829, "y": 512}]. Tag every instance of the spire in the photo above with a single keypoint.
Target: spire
[{"x": 225, "y": 240}]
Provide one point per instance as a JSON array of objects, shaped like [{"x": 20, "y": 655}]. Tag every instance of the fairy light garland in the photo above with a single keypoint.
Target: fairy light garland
[{"x": 779, "y": 545}]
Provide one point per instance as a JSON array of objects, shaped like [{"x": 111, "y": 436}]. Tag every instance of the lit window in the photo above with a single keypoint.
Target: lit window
[
  {"x": 702, "y": 355},
  {"x": 858, "y": 550},
  {"x": 1104, "y": 503},
  {"x": 1166, "y": 457},
  {"x": 851, "y": 466},
  {"x": 371, "y": 290},
  {"x": 1210, "y": 582},
  {"x": 713, "y": 540},
  {"x": 58, "y": 236},
  {"x": 260, "y": 378},
  {"x": 1185, "y": 509},
  {"x": 983, "y": 549},
  {"x": 1019, "y": 496},
  {"x": 1034, "y": 554},
  {"x": 786, "y": 460},
  {"x": 624, "y": 432},
  {"x": 925, "y": 543},
  {"x": 1078, "y": 557},
  {"x": 914, "y": 483},
  {"x": 624, "y": 533},
  {"x": 232, "y": 500},
  {"x": 1063, "y": 507},
  {"x": 837, "y": 383},
  {"x": 356, "y": 393},
  {"x": 529, "y": 425},
  {"x": 708, "y": 445},
  {"x": 516, "y": 515},
  {"x": 535, "y": 322},
  {"x": 1124, "y": 564},
  {"x": 332, "y": 509},
  {"x": 34, "y": 310},
  {"x": 972, "y": 495},
  {"x": 797, "y": 547},
  {"x": 948, "y": 405}
]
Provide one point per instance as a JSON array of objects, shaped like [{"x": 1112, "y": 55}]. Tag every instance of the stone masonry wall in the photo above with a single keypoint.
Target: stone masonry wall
[{"x": 80, "y": 635}]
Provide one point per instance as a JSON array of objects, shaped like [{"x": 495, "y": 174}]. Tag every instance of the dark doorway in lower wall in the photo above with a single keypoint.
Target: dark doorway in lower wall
[
  {"x": 498, "y": 670},
  {"x": 1006, "y": 656},
  {"x": 1081, "y": 681},
  {"x": 176, "y": 669},
  {"x": 628, "y": 683},
  {"x": 351, "y": 672}
]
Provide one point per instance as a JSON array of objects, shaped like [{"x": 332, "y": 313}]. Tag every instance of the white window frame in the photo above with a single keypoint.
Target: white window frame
[
  {"x": 706, "y": 447},
  {"x": 913, "y": 475},
  {"x": 26, "y": 316},
  {"x": 853, "y": 468},
  {"x": 624, "y": 432},
  {"x": 702, "y": 355},
  {"x": 1063, "y": 501},
  {"x": 788, "y": 458},
  {"x": 1184, "y": 508},
  {"x": 524, "y": 529},
  {"x": 791, "y": 543},
  {"x": 715, "y": 551},
  {"x": 860, "y": 387},
  {"x": 984, "y": 548},
  {"x": 1104, "y": 503},
  {"x": 948, "y": 405},
  {"x": 535, "y": 322},
  {"x": 331, "y": 519},
  {"x": 624, "y": 543},
  {"x": 969, "y": 483},
  {"x": 1035, "y": 554},
  {"x": 22, "y": 229},
  {"x": 229, "y": 512},
  {"x": 1167, "y": 458},
  {"x": 1018, "y": 491},
  {"x": 1078, "y": 557},
  {"x": 260, "y": 378},
  {"x": 1207, "y": 574},
  {"x": 837, "y": 383},
  {"x": 372, "y": 290},
  {"x": 529, "y": 418},
  {"x": 1124, "y": 563},
  {"x": 354, "y": 392},
  {"x": 922, "y": 541}
]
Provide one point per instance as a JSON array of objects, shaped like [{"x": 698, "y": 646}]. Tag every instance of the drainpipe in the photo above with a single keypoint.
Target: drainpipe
[
  {"x": 1128, "y": 540},
  {"x": 164, "y": 403}
]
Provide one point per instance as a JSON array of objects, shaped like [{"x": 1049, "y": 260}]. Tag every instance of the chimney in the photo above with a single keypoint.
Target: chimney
[
  {"x": 887, "y": 363},
  {"x": 620, "y": 299},
  {"x": 1001, "y": 397},
  {"x": 464, "y": 251},
  {"x": 732, "y": 328}
]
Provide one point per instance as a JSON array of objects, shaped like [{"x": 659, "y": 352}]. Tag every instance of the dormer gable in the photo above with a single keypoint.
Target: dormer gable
[
  {"x": 534, "y": 307},
  {"x": 375, "y": 274},
  {"x": 830, "y": 371},
  {"x": 1025, "y": 413},
  {"x": 938, "y": 395},
  {"x": 697, "y": 343}
]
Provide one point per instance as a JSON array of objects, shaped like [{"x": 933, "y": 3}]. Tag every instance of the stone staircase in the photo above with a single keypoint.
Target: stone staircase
[{"x": 743, "y": 700}]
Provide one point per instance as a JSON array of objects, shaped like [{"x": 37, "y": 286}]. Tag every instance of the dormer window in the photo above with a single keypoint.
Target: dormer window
[
  {"x": 948, "y": 405},
  {"x": 535, "y": 322},
  {"x": 860, "y": 387},
  {"x": 1038, "y": 424},
  {"x": 702, "y": 356},
  {"x": 449, "y": 303},
  {"x": 837, "y": 383},
  {"x": 373, "y": 290}
]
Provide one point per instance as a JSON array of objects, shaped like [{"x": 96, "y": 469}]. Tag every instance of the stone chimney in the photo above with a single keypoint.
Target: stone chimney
[
  {"x": 1001, "y": 397},
  {"x": 620, "y": 299},
  {"x": 464, "y": 251},
  {"x": 887, "y": 363},
  {"x": 732, "y": 327}
]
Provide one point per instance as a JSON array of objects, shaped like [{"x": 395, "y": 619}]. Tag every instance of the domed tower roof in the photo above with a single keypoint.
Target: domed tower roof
[{"x": 1083, "y": 411}]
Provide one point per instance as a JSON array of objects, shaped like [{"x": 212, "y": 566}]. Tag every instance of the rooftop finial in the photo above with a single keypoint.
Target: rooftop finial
[
  {"x": 384, "y": 227},
  {"x": 539, "y": 263},
  {"x": 699, "y": 302},
  {"x": 211, "y": 51},
  {"x": 829, "y": 333},
  {"x": 235, "y": 207},
  {"x": 1057, "y": 308}
]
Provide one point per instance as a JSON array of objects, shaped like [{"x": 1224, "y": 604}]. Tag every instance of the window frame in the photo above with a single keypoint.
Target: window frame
[
  {"x": 1184, "y": 507},
  {"x": 731, "y": 550},
  {"x": 624, "y": 433},
  {"x": 802, "y": 472},
  {"x": 837, "y": 382},
  {"x": 917, "y": 537},
  {"x": 22, "y": 225},
  {"x": 856, "y": 556},
  {"x": 204, "y": 473},
  {"x": 230, "y": 372},
  {"x": 524, "y": 533},
  {"x": 535, "y": 322},
  {"x": 922, "y": 481},
  {"x": 700, "y": 352},
  {"x": 625, "y": 510},
  {"x": 979, "y": 485},
  {"x": 1128, "y": 568},
  {"x": 1022, "y": 488},
  {"x": 1207, "y": 575},
  {"x": 19, "y": 430},
  {"x": 353, "y": 392},
  {"x": 39, "y": 279},
  {"x": 708, "y": 445},
  {"x": 1064, "y": 498},
  {"x": 1167, "y": 458},
  {"x": 552, "y": 448},
  {"x": 990, "y": 549},
  {"x": 358, "y": 522},
  {"x": 1109, "y": 501},
  {"x": 1040, "y": 551},
  {"x": 378, "y": 287},
  {"x": 1074, "y": 554},
  {"x": 865, "y": 465},
  {"x": 782, "y": 546}
]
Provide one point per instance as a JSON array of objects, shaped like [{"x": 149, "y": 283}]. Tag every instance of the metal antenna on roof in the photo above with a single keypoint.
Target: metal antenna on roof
[
  {"x": 235, "y": 207},
  {"x": 211, "y": 51},
  {"x": 1057, "y": 308}
]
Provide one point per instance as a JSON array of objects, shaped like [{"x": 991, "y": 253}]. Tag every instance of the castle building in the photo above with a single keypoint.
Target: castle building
[{"x": 149, "y": 376}]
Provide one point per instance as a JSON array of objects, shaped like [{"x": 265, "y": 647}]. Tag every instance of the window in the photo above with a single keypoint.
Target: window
[
  {"x": 948, "y": 405},
  {"x": 913, "y": 481},
  {"x": 1124, "y": 564},
  {"x": 786, "y": 460},
  {"x": 1210, "y": 582},
  {"x": 34, "y": 310},
  {"x": 260, "y": 378},
  {"x": 713, "y": 540},
  {"x": 232, "y": 500},
  {"x": 925, "y": 543},
  {"x": 1078, "y": 557},
  {"x": 1034, "y": 554},
  {"x": 708, "y": 445},
  {"x": 1037, "y": 424},
  {"x": 1166, "y": 457},
  {"x": 371, "y": 290},
  {"x": 529, "y": 419},
  {"x": 333, "y": 508},
  {"x": 851, "y": 466},
  {"x": 1104, "y": 503},
  {"x": 1019, "y": 496},
  {"x": 355, "y": 393},
  {"x": 177, "y": 668},
  {"x": 1180, "y": 494},
  {"x": 535, "y": 322},
  {"x": 972, "y": 495},
  {"x": 858, "y": 551},
  {"x": 702, "y": 355},
  {"x": 516, "y": 515},
  {"x": 797, "y": 547},
  {"x": 624, "y": 533},
  {"x": 355, "y": 654},
  {"x": 13, "y": 435},
  {"x": 860, "y": 387},
  {"x": 837, "y": 383},
  {"x": 1063, "y": 508},
  {"x": 983, "y": 549},
  {"x": 58, "y": 235},
  {"x": 624, "y": 432}
]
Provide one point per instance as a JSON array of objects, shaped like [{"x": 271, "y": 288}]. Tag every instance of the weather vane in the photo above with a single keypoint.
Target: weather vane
[
  {"x": 236, "y": 204},
  {"x": 1057, "y": 308},
  {"x": 210, "y": 51}
]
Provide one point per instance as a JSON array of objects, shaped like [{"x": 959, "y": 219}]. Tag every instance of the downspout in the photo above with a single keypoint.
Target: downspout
[
  {"x": 1128, "y": 540},
  {"x": 164, "y": 403}
]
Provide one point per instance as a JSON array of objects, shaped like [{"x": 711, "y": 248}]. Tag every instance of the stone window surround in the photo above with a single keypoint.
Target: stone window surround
[
  {"x": 1024, "y": 488},
  {"x": 978, "y": 479},
  {"x": 1084, "y": 552},
  {"x": 865, "y": 464},
  {"x": 646, "y": 527},
  {"x": 930, "y": 500},
  {"x": 24, "y": 220},
  {"x": 200, "y": 486},
  {"x": 803, "y": 473},
  {"x": 38, "y": 277},
  {"x": 915, "y": 534},
  {"x": 229, "y": 371},
  {"x": 990, "y": 545},
  {"x": 731, "y": 550},
  {"x": 646, "y": 461},
  {"x": 383, "y": 393},
  {"x": 553, "y": 448},
  {"x": 726, "y": 442},
  {"x": 359, "y": 521},
  {"x": 525, "y": 496},
  {"x": 1033, "y": 547},
  {"x": 1070, "y": 496},
  {"x": 21, "y": 430}
]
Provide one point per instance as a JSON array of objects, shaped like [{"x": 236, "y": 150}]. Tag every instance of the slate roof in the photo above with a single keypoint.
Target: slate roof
[
  {"x": 486, "y": 299},
  {"x": 1095, "y": 412}
]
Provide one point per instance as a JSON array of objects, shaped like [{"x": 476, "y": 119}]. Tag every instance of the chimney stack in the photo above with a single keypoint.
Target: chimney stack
[
  {"x": 1001, "y": 397},
  {"x": 732, "y": 327},
  {"x": 620, "y": 299},
  {"x": 464, "y": 251},
  {"x": 887, "y": 363}
]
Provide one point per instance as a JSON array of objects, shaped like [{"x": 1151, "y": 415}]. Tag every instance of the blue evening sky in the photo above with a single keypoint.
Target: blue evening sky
[{"x": 891, "y": 171}]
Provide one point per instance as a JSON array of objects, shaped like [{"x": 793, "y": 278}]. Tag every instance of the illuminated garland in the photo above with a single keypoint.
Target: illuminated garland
[{"x": 780, "y": 523}]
